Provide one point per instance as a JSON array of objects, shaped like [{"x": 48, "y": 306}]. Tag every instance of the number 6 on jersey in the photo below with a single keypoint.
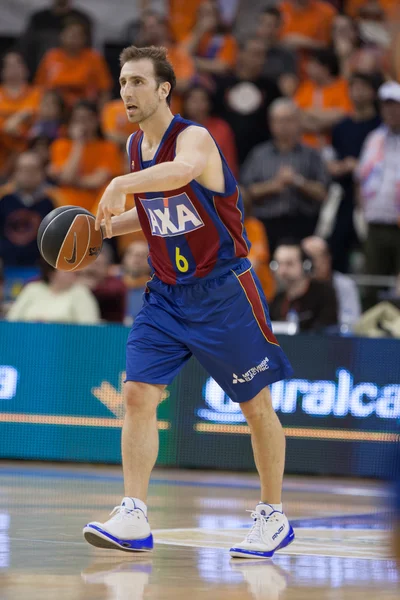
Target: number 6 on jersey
[{"x": 181, "y": 261}]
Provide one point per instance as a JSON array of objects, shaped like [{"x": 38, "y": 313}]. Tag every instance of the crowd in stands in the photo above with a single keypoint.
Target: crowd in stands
[{"x": 303, "y": 98}]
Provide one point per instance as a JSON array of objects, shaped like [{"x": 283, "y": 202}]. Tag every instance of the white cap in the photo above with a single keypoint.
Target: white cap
[{"x": 389, "y": 91}]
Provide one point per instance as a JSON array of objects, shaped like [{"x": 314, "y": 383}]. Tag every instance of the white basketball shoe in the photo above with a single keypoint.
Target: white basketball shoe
[
  {"x": 128, "y": 529},
  {"x": 271, "y": 531}
]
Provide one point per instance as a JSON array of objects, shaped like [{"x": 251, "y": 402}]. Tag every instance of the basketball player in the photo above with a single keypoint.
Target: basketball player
[{"x": 203, "y": 299}]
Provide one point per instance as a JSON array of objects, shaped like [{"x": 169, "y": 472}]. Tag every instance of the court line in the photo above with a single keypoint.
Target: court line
[
  {"x": 18, "y": 418},
  {"x": 346, "y": 435}
]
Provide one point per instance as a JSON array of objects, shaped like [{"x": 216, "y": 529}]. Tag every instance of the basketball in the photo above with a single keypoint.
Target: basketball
[{"x": 67, "y": 239}]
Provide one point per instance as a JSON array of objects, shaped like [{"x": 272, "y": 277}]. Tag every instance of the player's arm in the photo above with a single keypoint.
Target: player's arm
[
  {"x": 128, "y": 222},
  {"x": 193, "y": 148}
]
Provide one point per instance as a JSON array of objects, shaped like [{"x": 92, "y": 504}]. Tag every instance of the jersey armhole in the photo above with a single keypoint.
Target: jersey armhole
[{"x": 129, "y": 144}]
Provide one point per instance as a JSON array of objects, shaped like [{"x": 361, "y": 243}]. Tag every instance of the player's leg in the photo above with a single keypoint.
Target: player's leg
[
  {"x": 140, "y": 436},
  {"x": 128, "y": 527},
  {"x": 155, "y": 353},
  {"x": 269, "y": 444},
  {"x": 241, "y": 353}
]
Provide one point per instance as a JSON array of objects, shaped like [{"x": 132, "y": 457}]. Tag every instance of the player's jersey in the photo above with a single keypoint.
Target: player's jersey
[{"x": 192, "y": 231}]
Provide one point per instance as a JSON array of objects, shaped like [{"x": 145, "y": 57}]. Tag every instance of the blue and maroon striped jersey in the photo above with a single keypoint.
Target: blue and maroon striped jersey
[{"x": 191, "y": 231}]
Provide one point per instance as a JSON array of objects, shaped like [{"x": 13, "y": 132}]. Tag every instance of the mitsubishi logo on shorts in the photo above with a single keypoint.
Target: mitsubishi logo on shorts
[{"x": 251, "y": 373}]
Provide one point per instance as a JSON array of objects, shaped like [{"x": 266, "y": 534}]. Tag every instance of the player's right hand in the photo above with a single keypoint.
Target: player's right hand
[{"x": 112, "y": 203}]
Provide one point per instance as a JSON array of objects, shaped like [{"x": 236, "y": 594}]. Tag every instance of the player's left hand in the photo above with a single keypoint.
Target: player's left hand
[{"x": 112, "y": 203}]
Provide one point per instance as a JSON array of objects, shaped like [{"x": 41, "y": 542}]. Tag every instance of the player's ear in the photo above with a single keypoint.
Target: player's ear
[{"x": 164, "y": 90}]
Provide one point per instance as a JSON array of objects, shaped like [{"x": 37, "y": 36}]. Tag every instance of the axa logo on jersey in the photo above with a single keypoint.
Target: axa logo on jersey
[{"x": 171, "y": 216}]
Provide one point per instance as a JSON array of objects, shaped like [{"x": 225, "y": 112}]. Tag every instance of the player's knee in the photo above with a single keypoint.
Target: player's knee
[
  {"x": 142, "y": 397},
  {"x": 258, "y": 406}
]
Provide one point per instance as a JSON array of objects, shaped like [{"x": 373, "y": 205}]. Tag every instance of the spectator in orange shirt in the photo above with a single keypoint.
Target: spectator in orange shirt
[
  {"x": 213, "y": 49},
  {"x": 307, "y": 24},
  {"x": 182, "y": 14},
  {"x": 197, "y": 107},
  {"x": 259, "y": 254},
  {"x": 155, "y": 31},
  {"x": 19, "y": 103},
  {"x": 115, "y": 124},
  {"x": 75, "y": 71},
  {"x": 83, "y": 163},
  {"x": 323, "y": 98}
]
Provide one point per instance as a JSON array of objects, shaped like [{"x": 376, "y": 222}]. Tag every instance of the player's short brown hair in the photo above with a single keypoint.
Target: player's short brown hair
[{"x": 163, "y": 69}]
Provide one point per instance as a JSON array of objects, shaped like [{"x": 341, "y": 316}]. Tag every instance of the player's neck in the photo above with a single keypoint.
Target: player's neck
[{"x": 155, "y": 127}]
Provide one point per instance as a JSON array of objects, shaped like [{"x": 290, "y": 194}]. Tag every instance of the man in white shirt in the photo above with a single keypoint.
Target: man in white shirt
[{"x": 378, "y": 175}]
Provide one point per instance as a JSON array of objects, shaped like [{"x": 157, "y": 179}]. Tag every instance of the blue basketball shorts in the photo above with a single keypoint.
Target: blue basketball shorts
[{"x": 223, "y": 321}]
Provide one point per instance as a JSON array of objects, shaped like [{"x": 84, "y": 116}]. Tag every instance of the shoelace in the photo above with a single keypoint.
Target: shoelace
[
  {"x": 120, "y": 512},
  {"x": 259, "y": 526}
]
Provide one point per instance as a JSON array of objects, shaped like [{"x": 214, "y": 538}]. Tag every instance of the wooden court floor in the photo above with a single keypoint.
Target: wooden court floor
[{"x": 341, "y": 550}]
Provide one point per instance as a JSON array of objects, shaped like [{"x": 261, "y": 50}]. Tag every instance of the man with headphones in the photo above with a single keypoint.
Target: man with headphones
[{"x": 312, "y": 302}]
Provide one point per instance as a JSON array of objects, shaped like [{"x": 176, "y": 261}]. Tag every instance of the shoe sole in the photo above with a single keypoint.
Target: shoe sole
[
  {"x": 97, "y": 540},
  {"x": 237, "y": 553}
]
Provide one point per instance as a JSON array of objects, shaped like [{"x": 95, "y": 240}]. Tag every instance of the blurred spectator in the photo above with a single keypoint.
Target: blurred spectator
[
  {"x": 22, "y": 211},
  {"x": 183, "y": 17},
  {"x": 345, "y": 42},
  {"x": 348, "y": 137},
  {"x": 197, "y": 107},
  {"x": 109, "y": 291},
  {"x": 378, "y": 175},
  {"x": 323, "y": 98},
  {"x": 247, "y": 15},
  {"x": 281, "y": 62},
  {"x": 41, "y": 146},
  {"x": 242, "y": 98},
  {"x": 44, "y": 27},
  {"x": 347, "y": 295},
  {"x": 136, "y": 274},
  {"x": 19, "y": 103},
  {"x": 309, "y": 303},
  {"x": 50, "y": 117},
  {"x": 287, "y": 180},
  {"x": 72, "y": 69},
  {"x": 155, "y": 31},
  {"x": 307, "y": 26},
  {"x": 352, "y": 7},
  {"x": 259, "y": 254},
  {"x": 83, "y": 163},
  {"x": 57, "y": 298},
  {"x": 114, "y": 123},
  {"x": 372, "y": 23},
  {"x": 214, "y": 50}
]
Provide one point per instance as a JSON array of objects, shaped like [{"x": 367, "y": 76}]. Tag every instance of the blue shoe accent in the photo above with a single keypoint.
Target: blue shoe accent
[
  {"x": 285, "y": 542},
  {"x": 140, "y": 544}
]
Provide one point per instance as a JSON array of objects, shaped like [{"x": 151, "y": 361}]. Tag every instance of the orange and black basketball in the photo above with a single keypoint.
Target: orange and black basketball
[{"x": 67, "y": 239}]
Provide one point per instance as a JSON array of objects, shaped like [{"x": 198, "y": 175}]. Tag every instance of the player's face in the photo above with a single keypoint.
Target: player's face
[{"x": 140, "y": 91}]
